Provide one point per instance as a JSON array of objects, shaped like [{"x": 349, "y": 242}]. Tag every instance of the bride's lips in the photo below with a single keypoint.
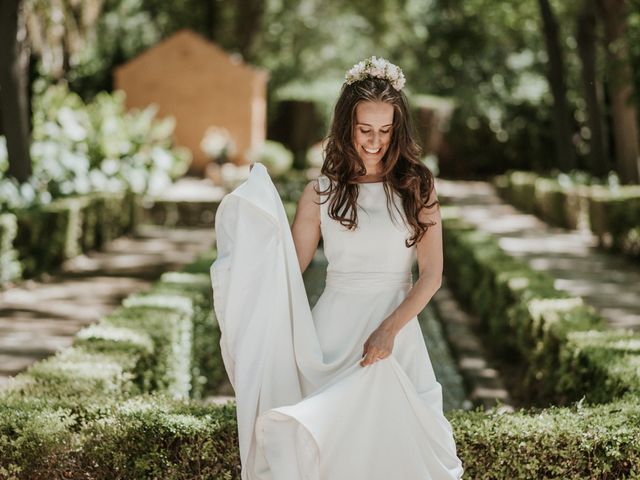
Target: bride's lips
[{"x": 372, "y": 152}]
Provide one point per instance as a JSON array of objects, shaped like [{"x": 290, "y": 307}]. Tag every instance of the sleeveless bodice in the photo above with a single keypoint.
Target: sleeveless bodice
[{"x": 375, "y": 246}]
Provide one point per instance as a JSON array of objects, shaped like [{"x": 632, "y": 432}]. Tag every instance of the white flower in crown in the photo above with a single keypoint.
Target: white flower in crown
[{"x": 378, "y": 68}]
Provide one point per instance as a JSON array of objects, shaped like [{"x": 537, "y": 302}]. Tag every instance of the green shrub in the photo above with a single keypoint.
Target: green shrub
[
  {"x": 275, "y": 156},
  {"x": 47, "y": 235},
  {"x": 615, "y": 218},
  {"x": 207, "y": 367},
  {"x": 105, "y": 337},
  {"x": 153, "y": 436},
  {"x": 611, "y": 211},
  {"x": 115, "y": 403},
  {"x": 10, "y": 267},
  {"x": 85, "y": 383},
  {"x": 158, "y": 438},
  {"x": 526, "y": 316},
  {"x": 550, "y": 201},
  {"x": 522, "y": 189},
  {"x": 604, "y": 364},
  {"x": 32, "y": 441},
  {"x": 146, "y": 436},
  {"x": 576, "y": 443}
]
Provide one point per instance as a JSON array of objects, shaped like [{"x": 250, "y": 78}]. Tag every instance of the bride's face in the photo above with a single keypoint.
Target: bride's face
[{"x": 374, "y": 121}]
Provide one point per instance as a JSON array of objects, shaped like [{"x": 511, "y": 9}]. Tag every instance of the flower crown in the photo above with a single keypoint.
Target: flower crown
[{"x": 379, "y": 68}]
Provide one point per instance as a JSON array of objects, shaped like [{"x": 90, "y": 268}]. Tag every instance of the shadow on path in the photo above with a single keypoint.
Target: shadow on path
[{"x": 608, "y": 282}]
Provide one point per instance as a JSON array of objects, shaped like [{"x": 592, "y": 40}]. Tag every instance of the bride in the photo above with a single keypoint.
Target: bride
[{"x": 346, "y": 390}]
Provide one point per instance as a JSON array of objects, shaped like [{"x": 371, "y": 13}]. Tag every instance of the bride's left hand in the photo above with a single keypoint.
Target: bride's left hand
[{"x": 378, "y": 346}]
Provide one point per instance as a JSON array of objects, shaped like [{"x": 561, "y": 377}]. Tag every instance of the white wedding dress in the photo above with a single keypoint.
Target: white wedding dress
[{"x": 306, "y": 408}]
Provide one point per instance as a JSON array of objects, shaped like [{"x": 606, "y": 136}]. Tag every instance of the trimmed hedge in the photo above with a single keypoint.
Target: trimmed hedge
[
  {"x": 567, "y": 443},
  {"x": 38, "y": 239},
  {"x": 148, "y": 343},
  {"x": 10, "y": 267},
  {"x": 102, "y": 409},
  {"x": 566, "y": 355},
  {"x": 155, "y": 437},
  {"x": 605, "y": 363},
  {"x": 145, "y": 436},
  {"x": 142, "y": 350},
  {"x": 613, "y": 215},
  {"x": 150, "y": 436},
  {"x": 615, "y": 219},
  {"x": 526, "y": 317}
]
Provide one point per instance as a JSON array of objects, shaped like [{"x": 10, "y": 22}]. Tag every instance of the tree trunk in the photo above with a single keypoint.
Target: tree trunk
[
  {"x": 599, "y": 160},
  {"x": 212, "y": 17},
  {"x": 565, "y": 150},
  {"x": 620, "y": 84},
  {"x": 247, "y": 24},
  {"x": 14, "y": 107}
]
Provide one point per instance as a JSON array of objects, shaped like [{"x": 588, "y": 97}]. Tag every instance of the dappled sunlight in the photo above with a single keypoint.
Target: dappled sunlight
[
  {"x": 43, "y": 316},
  {"x": 608, "y": 282},
  {"x": 133, "y": 119},
  {"x": 193, "y": 189}
]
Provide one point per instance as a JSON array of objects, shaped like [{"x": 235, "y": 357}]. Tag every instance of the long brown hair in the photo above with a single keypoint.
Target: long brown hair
[{"x": 402, "y": 170}]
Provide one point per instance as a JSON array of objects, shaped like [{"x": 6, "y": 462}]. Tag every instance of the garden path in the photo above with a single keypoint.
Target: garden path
[
  {"x": 39, "y": 317},
  {"x": 607, "y": 281}
]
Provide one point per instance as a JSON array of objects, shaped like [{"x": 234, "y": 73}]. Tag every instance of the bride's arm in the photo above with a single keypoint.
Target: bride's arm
[
  {"x": 430, "y": 265},
  {"x": 306, "y": 226}
]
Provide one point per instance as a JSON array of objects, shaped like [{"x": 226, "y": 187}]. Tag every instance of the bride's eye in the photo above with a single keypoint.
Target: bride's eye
[{"x": 364, "y": 131}]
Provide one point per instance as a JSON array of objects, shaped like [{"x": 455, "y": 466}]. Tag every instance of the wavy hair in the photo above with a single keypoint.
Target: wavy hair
[{"x": 402, "y": 170}]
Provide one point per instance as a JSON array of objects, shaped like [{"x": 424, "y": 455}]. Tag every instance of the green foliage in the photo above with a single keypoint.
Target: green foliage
[
  {"x": 323, "y": 93},
  {"x": 32, "y": 439},
  {"x": 10, "y": 267},
  {"x": 614, "y": 216},
  {"x": 80, "y": 148},
  {"x": 207, "y": 368},
  {"x": 275, "y": 156},
  {"x": 146, "y": 436},
  {"x": 530, "y": 321},
  {"x": 291, "y": 185},
  {"x": 46, "y": 235},
  {"x": 115, "y": 404},
  {"x": 605, "y": 363},
  {"x": 572, "y": 443},
  {"x": 610, "y": 210},
  {"x": 151, "y": 437},
  {"x": 123, "y": 30},
  {"x": 491, "y": 58},
  {"x": 103, "y": 409}
]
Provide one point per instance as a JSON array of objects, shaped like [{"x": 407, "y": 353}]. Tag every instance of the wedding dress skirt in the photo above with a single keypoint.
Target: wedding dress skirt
[{"x": 306, "y": 409}]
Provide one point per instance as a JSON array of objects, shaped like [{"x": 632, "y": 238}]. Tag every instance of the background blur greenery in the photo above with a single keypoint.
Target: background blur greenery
[{"x": 491, "y": 58}]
